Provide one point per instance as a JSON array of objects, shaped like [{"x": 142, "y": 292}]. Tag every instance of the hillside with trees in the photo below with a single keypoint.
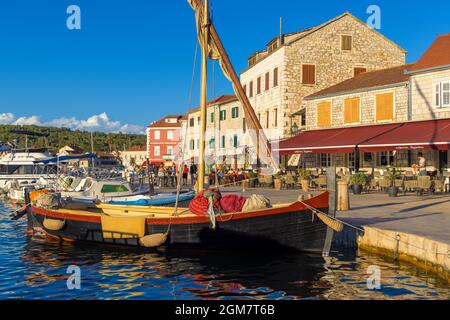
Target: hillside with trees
[{"x": 60, "y": 137}]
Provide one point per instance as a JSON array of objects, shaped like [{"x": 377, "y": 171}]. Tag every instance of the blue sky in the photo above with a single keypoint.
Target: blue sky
[{"x": 131, "y": 63}]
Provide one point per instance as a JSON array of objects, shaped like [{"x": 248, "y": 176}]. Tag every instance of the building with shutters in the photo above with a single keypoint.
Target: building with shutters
[
  {"x": 381, "y": 118},
  {"x": 163, "y": 140},
  {"x": 301, "y": 63},
  {"x": 227, "y": 141}
]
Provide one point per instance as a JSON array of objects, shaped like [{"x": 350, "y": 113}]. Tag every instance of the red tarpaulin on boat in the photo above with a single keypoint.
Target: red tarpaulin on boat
[
  {"x": 423, "y": 135},
  {"x": 341, "y": 140}
]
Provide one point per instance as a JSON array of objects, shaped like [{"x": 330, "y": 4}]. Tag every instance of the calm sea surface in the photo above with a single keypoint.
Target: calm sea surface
[{"x": 37, "y": 269}]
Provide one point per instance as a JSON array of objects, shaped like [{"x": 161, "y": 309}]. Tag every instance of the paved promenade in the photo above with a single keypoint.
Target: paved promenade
[{"x": 427, "y": 216}]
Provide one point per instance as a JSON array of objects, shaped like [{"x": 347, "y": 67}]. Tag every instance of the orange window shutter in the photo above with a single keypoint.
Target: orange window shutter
[
  {"x": 385, "y": 106},
  {"x": 352, "y": 110},
  {"x": 324, "y": 114},
  {"x": 348, "y": 111}
]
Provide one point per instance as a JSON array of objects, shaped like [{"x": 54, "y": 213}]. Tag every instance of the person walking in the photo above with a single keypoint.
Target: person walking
[
  {"x": 194, "y": 171},
  {"x": 422, "y": 166},
  {"x": 185, "y": 175}
]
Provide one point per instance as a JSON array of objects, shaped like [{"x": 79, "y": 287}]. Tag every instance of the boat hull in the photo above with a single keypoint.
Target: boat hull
[{"x": 293, "y": 228}]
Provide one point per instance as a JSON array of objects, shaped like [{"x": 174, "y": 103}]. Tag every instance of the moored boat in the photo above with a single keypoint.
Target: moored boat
[{"x": 291, "y": 226}]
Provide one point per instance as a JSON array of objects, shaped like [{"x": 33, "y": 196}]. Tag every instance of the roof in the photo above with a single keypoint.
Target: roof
[
  {"x": 437, "y": 55},
  {"x": 218, "y": 101},
  {"x": 164, "y": 124},
  {"x": 367, "y": 80},
  {"x": 136, "y": 149},
  {"x": 290, "y": 38}
]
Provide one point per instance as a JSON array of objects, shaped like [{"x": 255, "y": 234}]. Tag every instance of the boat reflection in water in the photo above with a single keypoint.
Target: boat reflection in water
[{"x": 215, "y": 275}]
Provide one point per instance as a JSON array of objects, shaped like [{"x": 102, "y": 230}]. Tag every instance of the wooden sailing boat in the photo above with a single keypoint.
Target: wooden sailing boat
[{"x": 293, "y": 226}]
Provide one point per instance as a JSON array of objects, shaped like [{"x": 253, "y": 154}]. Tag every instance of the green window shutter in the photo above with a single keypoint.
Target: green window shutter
[
  {"x": 223, "y": 142},
  {"x": 236, "y": 141},
  {"x": 212, "y": 117}
]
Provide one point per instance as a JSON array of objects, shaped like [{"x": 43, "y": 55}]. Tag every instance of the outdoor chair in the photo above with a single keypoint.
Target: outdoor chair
[
  {"x": 269, "y": 181},
  {"x": 438, "y": 185},
  {"x": 260, "y": 182},
  {"x": 410, "y": 184},
  {"x": 320, "y": 182},
  {"x": 384, "y": 183},
  {"x": 424, "y": 184},
  {"x": 373, "y": 183},
  {"x": 289, "y": 182}
]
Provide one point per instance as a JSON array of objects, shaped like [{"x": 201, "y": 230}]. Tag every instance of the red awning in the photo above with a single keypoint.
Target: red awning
[
  {"x": 423, "y": 135},
  {"x": 341, "y": 140}
]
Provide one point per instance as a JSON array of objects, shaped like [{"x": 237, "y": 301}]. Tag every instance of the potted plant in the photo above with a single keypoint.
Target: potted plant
[
  {"x": 304, "y": 176},
  {"x": 278, "y": 182},
  {"x": 358, "y": 182},
  {"x": 393, "y": 174}
]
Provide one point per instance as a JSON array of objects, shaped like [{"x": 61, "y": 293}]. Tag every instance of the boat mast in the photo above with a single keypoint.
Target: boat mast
[{"x": 203, "y": 97}]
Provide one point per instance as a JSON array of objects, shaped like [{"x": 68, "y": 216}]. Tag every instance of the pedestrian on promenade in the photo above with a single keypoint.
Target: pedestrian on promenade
[
  {"x": 194, "y": 171},
  {"x": 185, "y": 175}
]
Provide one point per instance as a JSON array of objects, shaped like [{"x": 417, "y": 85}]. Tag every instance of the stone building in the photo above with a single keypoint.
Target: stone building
[
  {"x": 226, "y": 138},
  {"x": 134, "y": 156},
  {"x": 381, "y": 118},
  {"x": 299, "y": 64}
]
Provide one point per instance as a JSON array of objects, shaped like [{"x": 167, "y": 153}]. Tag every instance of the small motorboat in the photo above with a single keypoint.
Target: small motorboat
[{"x": 163, "y": 199}]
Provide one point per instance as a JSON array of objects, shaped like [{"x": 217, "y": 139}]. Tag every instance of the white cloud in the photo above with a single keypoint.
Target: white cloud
[
  {"x": 6, "y": 118},
  {"x": 27, "y": 121},
  {"x": 100, "y": 122}
]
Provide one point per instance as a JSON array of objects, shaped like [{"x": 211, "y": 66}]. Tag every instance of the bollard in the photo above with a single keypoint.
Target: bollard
[{"x": 343, "y": 197}]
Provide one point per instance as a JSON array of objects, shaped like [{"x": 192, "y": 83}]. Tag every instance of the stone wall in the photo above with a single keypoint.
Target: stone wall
[
  {"x": 322, "y": 48},
  {"x": 422, "y": 96},
  {"x": 368, "y": 107}
]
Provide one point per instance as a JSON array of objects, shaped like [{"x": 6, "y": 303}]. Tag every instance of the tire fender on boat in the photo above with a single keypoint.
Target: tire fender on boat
[{"x": 154, "y": 240}]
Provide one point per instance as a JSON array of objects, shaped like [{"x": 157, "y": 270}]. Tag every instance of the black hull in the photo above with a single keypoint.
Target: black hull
[{"x": 293, "y": 231}]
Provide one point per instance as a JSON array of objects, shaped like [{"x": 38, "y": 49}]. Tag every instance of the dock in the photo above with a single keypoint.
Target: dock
[{"x": 407, "y": 228}]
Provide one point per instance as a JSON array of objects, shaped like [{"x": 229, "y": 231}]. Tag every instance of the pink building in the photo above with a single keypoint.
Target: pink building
[{"x": 163, "y": 140}]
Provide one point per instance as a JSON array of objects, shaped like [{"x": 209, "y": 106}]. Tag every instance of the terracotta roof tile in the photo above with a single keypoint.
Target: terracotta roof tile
[
  {"x": 217, "y": 101},
  {"x": 437, "y": 55},
  {"x": 367, "y": 80},
  {"x": 164, "y": 124}
]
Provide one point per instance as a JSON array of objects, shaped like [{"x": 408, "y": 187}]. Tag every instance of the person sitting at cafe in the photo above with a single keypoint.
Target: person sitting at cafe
[{"x": 422, "y": 165}]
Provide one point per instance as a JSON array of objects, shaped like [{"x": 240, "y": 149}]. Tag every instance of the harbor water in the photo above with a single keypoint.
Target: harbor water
[{"x": 37, "y": 269}]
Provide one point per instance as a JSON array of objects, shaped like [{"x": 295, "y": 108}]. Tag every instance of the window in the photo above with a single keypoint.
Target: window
[
  {"x": 192, "y": 145},
  {"x": 352, "y": 160},
  {"x": 385, "y": 106},
  {"x": 108, "y": 188},
  {"x": 192, "y": 122},
  {"x": 258, "y": 85},
  {"x": 223, "y": 115},
  {"x": 324, "y": 114},
  {"x": 308, "y": 74},
  {"x": 170, "y": 135},
  {"x": 437, "y": 91},
  {"x": 235, "y": 141},
  {"x": 357, "y": 71},
  {"x": 199, "y": 120},
  {"x": 245, "y": 89},
  {"x": 446, "y": 94},
  {"x": 157, "y": 135},
  {"x": 157, "y": 151},
  {"x": 212, "y": 143},
  {"x": 325, "y": 160},
  {"x": 223, "y": 142},
  {"x": 346, "y": 43},
  {"x": 251, "y": 89},
  {"x": 267, "y": 87},
  {"x": 244, "y": 126},
  {"x": 442, "y": 94},
  {"x": 267, "y": 119},
  {"x": 275, "y": 77},
  {"x": 352, "y": 112},
  {"x": 213, "y": 117},
  {"x": 275, "y": 115},
  {"x": 235, "y": 113},
  {"x": 387, "y": 158},
  {"x": 170, "y": 151}
]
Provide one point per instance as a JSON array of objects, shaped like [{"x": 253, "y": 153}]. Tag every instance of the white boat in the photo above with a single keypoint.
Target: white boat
[
  {"x": 116, "y": 192},
  {"x": 26, "y": 167}
]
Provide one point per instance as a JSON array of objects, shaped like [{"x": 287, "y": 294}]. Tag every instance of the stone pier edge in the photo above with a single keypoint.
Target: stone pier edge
[{"x": 425, "y": 253}]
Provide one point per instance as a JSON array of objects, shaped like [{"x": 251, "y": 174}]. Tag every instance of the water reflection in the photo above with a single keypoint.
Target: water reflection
[{"x": 36, "y": 269}]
